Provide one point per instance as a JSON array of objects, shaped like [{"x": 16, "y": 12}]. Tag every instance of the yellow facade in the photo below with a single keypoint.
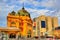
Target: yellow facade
[
  {"x": 46, "y": 25},
  {"x": 55, "y": 22},
  {"x": 42, "y": 30},
  {"x": 21, "y": 21},
  {"x": 24, "y": 23},
  {"x": 49, "y": 25},
  {"x": 57, "y": 33}
]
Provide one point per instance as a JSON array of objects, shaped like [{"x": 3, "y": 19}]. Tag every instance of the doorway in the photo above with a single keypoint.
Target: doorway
[
  {"x": 12, "y": 35},
  {"x": 29, "y": 34}
]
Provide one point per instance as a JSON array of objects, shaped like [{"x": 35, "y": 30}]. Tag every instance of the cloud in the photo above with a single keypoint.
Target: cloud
[
  {"x": 35, "y": 12},
  {"x": 34, "y": 7},
  {"x": 47, "y": 3}
]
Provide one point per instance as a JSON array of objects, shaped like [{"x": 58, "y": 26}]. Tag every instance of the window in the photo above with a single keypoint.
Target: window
[
  {"x": 29, "y": 32},
  {"x": 12, "y": 26},
  {"x": 34, "y": 27},
  {"x": 57, "y": 28},
  {"x": 12, "y": 22},
  {"x": 43, "y": 24}
]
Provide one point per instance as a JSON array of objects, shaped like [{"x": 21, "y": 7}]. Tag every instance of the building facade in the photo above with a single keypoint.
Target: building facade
[
  {"x": 45, "y": 25},
  {"x": 19, "y": 23}
]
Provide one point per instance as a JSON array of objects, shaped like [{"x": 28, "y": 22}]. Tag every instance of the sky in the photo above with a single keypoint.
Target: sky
[{"x": 34, "y": 7}]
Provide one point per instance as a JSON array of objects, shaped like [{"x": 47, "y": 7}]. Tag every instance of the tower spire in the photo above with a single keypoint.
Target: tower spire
[{"x": 23, "y": 6}]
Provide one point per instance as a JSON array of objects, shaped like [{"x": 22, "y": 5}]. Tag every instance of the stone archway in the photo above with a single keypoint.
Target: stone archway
[
  {"x": 12, "y": 35},
  {"x": 4, "y": 35}
]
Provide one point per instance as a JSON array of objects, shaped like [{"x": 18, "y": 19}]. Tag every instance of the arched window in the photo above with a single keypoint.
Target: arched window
[
  {"x": 13, "y": 24},
  {"x": 29, "y": 32},
  {"x": 43, "y": 24}
]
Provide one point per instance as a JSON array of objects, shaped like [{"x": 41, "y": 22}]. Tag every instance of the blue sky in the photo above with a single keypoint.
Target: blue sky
[{"x": 34, "y": 7}]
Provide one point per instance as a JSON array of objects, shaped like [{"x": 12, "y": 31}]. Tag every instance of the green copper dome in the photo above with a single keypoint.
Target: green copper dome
[
  {"x": 23, "y": 12},
  {"x": 13, "y": 13}
]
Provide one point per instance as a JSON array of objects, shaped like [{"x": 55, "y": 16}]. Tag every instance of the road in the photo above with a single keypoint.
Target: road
[
  {"x": 31, "y": 39},
  {"x": 35, "y": 39}
]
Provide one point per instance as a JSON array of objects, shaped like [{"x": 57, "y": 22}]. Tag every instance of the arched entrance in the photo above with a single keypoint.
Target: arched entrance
[
  {"x": 12, "y": 35},
  {"x": 29, "y": 34},
  {"x": 4, "y": 35}
]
